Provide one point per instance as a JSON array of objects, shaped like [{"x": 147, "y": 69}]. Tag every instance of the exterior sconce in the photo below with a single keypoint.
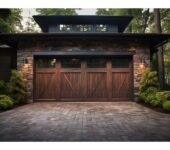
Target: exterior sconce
[
  {"x": 142, "y": 63},
  {"x": 25, "y": 61},
  {"x": 132, "y": 49}
]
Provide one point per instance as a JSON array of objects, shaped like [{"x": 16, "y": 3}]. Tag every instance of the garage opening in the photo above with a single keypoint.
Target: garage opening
[{"x": 83, "y": 79}]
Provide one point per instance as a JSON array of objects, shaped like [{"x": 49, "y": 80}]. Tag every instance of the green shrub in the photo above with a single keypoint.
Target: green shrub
[
  {"x": 15, "y": 87},
  {"x": 166, "y": 105},
  {"x": 161, "y": 97},
  {"x": 149, "y": 94},
  {"x": 149, "y": 90},
  {"x": 167, "y": 95},
  {"x": 6, "y": 102},
  {"x": 149, "y": 79},
  {"x": 142, "y": 95},
  {"x": 151, "y": 98}
]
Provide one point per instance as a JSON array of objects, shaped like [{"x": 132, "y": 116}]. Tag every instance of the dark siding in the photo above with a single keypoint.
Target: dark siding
[
  {"x": 55, "y": 28},
  {"x": 7, "y": 62}
]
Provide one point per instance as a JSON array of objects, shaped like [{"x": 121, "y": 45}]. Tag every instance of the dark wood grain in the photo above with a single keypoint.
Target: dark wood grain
[{"x": 84, "y": 84}]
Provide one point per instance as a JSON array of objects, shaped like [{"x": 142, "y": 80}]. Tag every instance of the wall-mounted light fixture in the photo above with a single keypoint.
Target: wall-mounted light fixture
[
  {"x": 25, "y": 61},
  {"x": 132, "y": 49},
  {"x": 142, "y": 62}
]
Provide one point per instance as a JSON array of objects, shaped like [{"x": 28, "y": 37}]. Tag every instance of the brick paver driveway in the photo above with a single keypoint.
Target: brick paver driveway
[{"x": 117, "y": 121}]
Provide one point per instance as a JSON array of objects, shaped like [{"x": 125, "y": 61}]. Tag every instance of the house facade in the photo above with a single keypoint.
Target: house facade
[{"x": 81, "y": 58}]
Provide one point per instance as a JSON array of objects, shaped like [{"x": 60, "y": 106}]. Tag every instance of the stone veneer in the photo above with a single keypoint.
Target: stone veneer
[{"x": 26, "y": 50}]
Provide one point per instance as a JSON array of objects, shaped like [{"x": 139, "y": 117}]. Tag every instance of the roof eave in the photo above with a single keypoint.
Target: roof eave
[{"x": 155, "y": 39}]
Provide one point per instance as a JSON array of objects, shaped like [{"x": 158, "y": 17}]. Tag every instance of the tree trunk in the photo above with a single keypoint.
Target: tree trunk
[
  {"x": 146, "y": 18},
  {"x": 161, "y": 76}
]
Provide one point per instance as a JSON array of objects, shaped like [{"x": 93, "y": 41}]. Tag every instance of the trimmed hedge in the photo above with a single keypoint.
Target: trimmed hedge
[{"x": 6, "y": 102}]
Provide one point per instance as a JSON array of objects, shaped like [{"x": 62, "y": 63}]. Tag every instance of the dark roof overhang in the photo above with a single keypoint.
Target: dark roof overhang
[
  {"x": 154, "y": 40},
  {"x": 45, "y": 21},
  {"x": 83, "y": 53}
]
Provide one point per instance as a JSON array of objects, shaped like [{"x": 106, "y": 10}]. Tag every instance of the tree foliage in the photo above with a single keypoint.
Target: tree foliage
[
  {"x": 143, "y": 22},
  {"x": 30, "y": 26},
  {"x": 165, "y": 20},
  {"x": 139, "y": 24},
  {"x": 12, "y": 22},
  {"x": 56, "y": 11},
  {"x": 165, "y": 24}
]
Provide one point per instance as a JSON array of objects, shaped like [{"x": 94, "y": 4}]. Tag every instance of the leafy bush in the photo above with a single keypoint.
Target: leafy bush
[
  {"x": 168, "y": 95},
  {"x": 148, "y": 79},
  {"x": 15, "y": 87},
  {"x": 161, "y": 97},
  {"x": 149, "y": 94},
  {"x": 156, "y": 100},
  {"x": 142, "y": 95},
  {"x": 166, "y": 105},
  {"x": 149, "y": 90},
  {"x": 6, "y": 102},
  {"x": 151, "y": 98}
]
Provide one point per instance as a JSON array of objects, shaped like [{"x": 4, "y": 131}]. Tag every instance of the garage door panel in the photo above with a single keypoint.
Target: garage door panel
[
  {"x": 96, "y": 85},
  {"x": 121, "y": 85},
  {"x": 83, "y": 79},
  {"x": 45, "y": 86},
  {"x": 70, "y": 85}
]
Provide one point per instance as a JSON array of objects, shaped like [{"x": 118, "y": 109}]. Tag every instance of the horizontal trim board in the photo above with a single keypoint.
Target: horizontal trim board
[
  {"x": 83, "y": 53},
  {"x": 79, "y": 100}
]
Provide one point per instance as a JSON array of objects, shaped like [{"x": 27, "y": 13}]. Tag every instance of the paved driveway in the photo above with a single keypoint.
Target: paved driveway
[{"x": 52, "y": 121}]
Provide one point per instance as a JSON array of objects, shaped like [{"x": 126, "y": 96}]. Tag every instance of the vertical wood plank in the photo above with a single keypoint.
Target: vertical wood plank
[
  {"x": 58, "y": 80},
  {"x": 109, "y": 79},
  {"x": 84, "y": 79}
]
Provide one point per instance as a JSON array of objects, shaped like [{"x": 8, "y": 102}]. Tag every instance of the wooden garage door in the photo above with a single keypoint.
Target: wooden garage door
[
  {"x": 45, "y": 79},
  {"x": 121, "y": 78},
  {"x": 96, "y": 79},
  {"x": 70, "y": 79},
  {"x": 80, "y": 79}
]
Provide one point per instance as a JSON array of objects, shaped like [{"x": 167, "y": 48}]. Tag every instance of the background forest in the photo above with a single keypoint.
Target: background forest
[{"x": 143, "y": 22}]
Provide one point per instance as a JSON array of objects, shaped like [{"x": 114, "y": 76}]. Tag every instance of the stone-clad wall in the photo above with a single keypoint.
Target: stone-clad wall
[
  {"x": 141, "y": 53},
  {"x": 26, "y": 50},
  {"x": 27, "y": 71}
]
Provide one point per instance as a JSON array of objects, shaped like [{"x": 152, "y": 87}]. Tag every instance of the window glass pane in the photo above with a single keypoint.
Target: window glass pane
[
  {"x": 46, "y": 62},
  {"x": 101, "y": 28},
  {"x": 71, "y": 63},
  {"x": 83, "y": 28},
  {"x": 120, "y": 63},
  {"x": 64, "y": 28},
  {"x": 79, "y": 28},
  {"x": 87, "y": 28},
  {"x": 96, "y": 63}
]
